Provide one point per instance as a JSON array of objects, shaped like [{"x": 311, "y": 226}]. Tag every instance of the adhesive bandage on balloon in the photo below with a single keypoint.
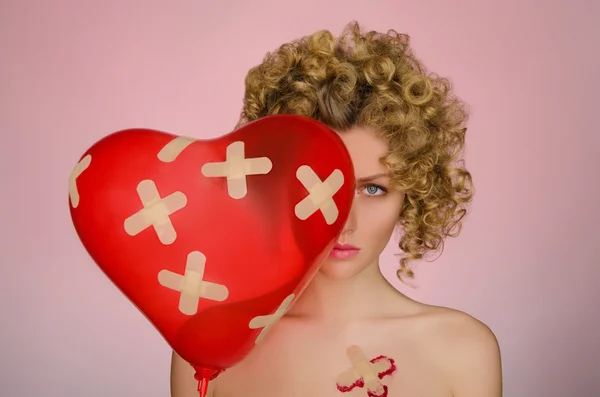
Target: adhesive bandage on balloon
[
  {"x": 192, "y": 285},
  {"x": 173, "y": 149},
  {"x": 320, "y": 194},
  {"x": 77, "y": 171},
  {"x": 366, "y": 373},
  {"x": 236, "y": 168},
  {"x": 156, "y": 212},
  {"x": 266, "y": 322}
]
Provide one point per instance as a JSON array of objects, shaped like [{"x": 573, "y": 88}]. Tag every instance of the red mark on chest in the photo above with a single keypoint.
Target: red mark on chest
[{"x": 366, "y": 373}]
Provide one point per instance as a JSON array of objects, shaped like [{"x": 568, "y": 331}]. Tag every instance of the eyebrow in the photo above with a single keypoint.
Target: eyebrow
[{"x": 372, "y": 177}]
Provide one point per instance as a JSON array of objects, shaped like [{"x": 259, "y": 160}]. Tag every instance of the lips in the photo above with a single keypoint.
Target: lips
[
  {"x": 344, "y": 251},
  {"x": 345, "y": 247}
]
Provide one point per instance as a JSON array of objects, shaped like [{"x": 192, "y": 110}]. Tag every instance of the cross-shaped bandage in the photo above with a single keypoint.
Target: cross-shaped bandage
[
  {"x": 192, "y": 285},
  {"x": 320, "y": 195},
  {"x": 174, "y": 148},
  {"x": 266, "y": 322},
  {"x": 156, "y": 212},
  {"x": 364, "y": 371},
  {"x": 77, "y": 171},
  {"x": 236, "y": 168}
]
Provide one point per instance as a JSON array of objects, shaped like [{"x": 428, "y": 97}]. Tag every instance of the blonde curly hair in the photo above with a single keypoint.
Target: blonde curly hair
[{"x": 372, "y": 79}]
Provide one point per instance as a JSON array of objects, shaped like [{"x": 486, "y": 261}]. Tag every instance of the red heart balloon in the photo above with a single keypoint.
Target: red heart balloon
[{"x": 212, "y": 240}]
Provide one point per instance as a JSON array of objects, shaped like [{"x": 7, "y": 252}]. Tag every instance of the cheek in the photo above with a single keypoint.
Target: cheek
[{"x": 379, "y": 218}]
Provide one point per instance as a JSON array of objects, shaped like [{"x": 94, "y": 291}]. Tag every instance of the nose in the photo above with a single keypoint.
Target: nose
[{"x": 350, "y": 225}]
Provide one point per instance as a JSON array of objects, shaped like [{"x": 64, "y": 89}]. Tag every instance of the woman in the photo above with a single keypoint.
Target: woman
[{"x": 405, "y": 132}]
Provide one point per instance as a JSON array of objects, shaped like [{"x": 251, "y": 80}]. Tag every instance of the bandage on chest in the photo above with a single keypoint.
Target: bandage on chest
[{"x": 366, "y": 373}]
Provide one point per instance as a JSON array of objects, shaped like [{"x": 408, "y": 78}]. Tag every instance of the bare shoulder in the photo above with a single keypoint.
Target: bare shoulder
[
  {"x": 465, "y": 348},
  {"x": 455, "y": 326}
]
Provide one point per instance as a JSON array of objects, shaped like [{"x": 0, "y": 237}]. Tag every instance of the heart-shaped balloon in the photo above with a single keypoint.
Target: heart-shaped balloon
[{"x": 213, "y": 240}]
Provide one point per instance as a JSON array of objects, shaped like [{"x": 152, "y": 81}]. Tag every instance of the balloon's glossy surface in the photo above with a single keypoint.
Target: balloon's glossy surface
[{"x": 213, "y": 272}]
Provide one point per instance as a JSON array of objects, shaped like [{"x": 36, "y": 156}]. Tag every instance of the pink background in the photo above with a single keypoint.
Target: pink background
[{"x": 526, "y": 262}]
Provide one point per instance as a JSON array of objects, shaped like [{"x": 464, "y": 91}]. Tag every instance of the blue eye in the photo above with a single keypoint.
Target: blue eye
[{"x": 374, "y": 190}]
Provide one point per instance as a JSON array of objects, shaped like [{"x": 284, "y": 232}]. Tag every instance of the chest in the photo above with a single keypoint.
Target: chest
[{"x": 304, "y": 362}]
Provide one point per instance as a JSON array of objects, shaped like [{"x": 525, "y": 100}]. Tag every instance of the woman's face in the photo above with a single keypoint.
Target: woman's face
[{"x": 375, "y": 210}]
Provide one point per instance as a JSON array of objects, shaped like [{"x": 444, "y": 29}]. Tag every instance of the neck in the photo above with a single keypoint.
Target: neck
[{"x": 365, "y": 296}]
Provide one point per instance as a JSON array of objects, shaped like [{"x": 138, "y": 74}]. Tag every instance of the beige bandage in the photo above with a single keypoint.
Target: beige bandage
[
  {"x": 320, "y": 195},
  {"x": 266, "y": 322},
  {"x": 174, "y": 148},
  {"x": 236, "y": 168},
  {"x": 156, "y": 212},
  {"x": 363, "y": 369},
  {"x": 192, "y": 285},
  {"x": 78, "y": 170}
]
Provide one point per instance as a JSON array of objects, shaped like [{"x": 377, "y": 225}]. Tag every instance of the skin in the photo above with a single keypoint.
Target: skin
[{"x": 439, "y": 352}]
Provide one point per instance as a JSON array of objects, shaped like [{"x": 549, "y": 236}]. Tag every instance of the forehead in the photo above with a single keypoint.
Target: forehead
[{"x": 366, "y": 149}]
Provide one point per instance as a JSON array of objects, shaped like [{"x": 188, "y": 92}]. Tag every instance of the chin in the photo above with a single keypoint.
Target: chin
[{"x": 341, "y": 269}]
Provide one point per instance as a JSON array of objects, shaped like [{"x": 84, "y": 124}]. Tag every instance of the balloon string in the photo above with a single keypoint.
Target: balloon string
[
  {"x": 203, "y": 386},
  {"x": 204, "y": 375}
]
